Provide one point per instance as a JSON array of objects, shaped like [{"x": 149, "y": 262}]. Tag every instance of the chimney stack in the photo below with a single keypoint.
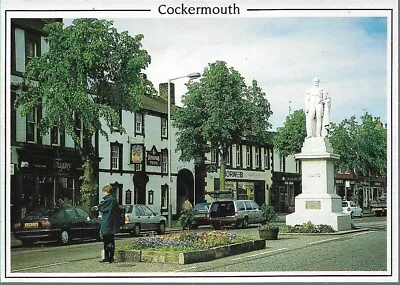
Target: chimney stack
[{"x": 163, "y": 90}]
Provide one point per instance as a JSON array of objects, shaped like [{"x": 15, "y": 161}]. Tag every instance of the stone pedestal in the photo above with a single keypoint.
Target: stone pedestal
[{"x": 318, "y": 203}]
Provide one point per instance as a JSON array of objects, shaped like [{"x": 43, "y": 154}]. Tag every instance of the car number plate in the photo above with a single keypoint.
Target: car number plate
[
  {"x": 31, "y": 225},
  {"x": 201, "y": 215}
]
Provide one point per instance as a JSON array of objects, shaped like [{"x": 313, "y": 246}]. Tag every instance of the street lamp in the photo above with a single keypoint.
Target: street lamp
[{"x": 190, "y": 76}]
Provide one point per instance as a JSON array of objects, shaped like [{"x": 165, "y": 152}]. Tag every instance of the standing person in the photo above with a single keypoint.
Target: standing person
[{"x": 109, "y": 209}]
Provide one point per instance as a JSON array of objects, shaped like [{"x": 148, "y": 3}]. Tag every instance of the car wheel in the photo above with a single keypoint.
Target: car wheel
[
  {"x": 351, "y": 215},
  {"x": 64, "y": 237},
  {"x": 135, "y": 231},
  {"x": 161, "y": 228},
  {"x": 26, "y": 242},
  {"x": 195, "y": 226},
  {"x": 245, "y": 223},
  {"x": 361, "y": 214}
]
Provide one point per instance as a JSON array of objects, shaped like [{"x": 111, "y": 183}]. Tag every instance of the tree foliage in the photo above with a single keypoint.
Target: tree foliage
[
  {"x": 290, "y": 138},
  {"x": 362, "y": 146},
  {"x": 219, "y": 111},
  {"x": 90, "y": 72}
]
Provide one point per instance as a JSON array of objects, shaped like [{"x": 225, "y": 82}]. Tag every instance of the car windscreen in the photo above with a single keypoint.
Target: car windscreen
[{"x": 344, "y": 204}]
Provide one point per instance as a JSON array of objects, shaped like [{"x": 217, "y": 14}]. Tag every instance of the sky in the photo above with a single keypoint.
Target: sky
[{"x": 348, "y": 54}]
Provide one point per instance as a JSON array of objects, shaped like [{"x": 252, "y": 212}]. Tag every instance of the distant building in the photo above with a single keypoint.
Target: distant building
[{"x": 248, "y": 172}]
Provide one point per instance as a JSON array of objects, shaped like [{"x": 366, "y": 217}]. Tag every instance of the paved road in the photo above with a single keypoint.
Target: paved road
[{"x": 350, "y": 252}]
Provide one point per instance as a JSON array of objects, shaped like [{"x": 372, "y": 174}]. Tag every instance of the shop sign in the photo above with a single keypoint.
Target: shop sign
[
  {"x": 154, "y": 157},
  {"x": 242, "y": 174},
  {"x": 136, "y": 153},
  {"x": 61, "y": 165}
]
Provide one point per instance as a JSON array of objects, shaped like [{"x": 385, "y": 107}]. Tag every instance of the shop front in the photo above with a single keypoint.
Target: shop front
[
  {"x": 285, "y": 187},
  {"x": 43, "y": 177}
]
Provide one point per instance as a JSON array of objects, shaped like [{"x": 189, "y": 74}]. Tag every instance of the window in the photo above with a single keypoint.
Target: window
[
  {"x": 55, "y": 135},
  {"x": 258, "y": 157},
  {"x": 164, "y": 196},
  {"x": 164, "y": 128},
  {"x": 31, "y": 126},
  {"x": 248, "y": 156},
  {"x": 238, "y": 155},
  {"x": 138, "y": 123},
  {"x": 164, "y": 161},
  {"x": 266, "y": 159},
  {"x": 116, "y": 156},
  {"x": 214, "y": 155},
  {"x": 31, "y": 49},
  {"x": 78, "y": 131},
  {"x": 114, "y": 126},
  {"x": 228, "y": 156}
]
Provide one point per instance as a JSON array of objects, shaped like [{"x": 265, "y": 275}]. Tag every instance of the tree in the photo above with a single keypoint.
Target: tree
[
  {"x": 220, "y": 111},
  {"x": 90, "y": 73},
  {"x": 362, "y": 146},
  {"x": 290, "y": 138}
]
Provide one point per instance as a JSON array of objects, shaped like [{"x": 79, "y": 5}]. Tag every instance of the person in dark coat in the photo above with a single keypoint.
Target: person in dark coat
[{"x": 109, "y": 209}]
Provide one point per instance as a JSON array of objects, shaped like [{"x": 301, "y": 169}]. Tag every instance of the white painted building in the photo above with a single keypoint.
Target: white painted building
[
  {"x": 248, "y": 172},
  {"x": 135, "y": 163}
]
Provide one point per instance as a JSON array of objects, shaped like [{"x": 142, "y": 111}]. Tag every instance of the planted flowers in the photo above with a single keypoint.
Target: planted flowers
[{"x": 186, "y": 241}]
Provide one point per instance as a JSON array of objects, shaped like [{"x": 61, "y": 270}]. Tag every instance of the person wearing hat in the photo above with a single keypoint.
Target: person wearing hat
[{"x": 109, "y": 209}]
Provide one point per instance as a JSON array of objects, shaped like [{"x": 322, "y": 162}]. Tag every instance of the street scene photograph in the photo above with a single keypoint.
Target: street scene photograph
[{"x": 191, "y": 142}]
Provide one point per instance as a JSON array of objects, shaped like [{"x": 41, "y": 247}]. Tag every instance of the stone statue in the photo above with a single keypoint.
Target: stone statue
[{"x": 317, "y": 109}]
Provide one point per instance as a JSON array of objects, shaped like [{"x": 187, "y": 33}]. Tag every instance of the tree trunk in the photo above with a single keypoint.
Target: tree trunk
[{"x": 89, "y": 185}]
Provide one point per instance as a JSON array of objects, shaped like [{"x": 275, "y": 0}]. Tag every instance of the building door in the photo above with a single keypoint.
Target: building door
[{"x": 185, "y": 188}]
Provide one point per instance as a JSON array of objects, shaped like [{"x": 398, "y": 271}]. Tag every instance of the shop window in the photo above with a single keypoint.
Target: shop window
[
  {"x": 31, "y": 126},
  {"x": 139, "y": 126},
  {"x": 164, "y": 128}
]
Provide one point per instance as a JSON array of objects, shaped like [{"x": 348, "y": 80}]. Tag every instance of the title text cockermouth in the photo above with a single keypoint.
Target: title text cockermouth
[{"x": 198, "y": 10}]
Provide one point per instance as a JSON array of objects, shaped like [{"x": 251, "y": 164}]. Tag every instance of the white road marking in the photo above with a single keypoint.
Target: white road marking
[
  {"x": 189, "y": 268},
  {"x": 252, "y": 255},
  {"x": 41, "y": 266},
  {"x": 320, "y": 241}
]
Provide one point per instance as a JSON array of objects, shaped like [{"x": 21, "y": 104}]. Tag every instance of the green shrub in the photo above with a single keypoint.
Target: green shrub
[{"x": 307, "y": 228}]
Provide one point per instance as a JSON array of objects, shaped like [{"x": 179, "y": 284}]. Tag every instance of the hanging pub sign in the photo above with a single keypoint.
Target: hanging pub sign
[
  {"x": 136, "y": 153},
  {"x": 154, "y": 157}
]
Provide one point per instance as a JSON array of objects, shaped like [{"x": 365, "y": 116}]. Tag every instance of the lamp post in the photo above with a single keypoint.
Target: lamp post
[{"x": 190, "y": 76}]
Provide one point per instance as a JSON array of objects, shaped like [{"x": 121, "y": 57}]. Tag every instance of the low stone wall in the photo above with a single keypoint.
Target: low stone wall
[{"x": 189, "y": 257}]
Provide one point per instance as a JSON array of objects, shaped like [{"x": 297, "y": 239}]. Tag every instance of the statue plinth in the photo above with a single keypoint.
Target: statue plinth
[{"x": 318, "y": 203}]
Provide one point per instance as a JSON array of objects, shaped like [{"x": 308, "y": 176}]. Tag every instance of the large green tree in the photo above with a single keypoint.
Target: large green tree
[
  {"x": 290, "y": 138},
  {"x": 362, "y": 146},
  {"x": 219, "y": 111},
  {"x": 90, "y": 73}
]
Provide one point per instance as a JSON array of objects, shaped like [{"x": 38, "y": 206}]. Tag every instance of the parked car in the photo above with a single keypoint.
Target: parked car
[
  {"x": 200, "y": 211},
  {"x": 234, "y": 212},
  {"x": 351, "y": 208},
  {"x": 140, "y": 218},
  {"x": 60, "y": 224},
  {"x": 97, "y": 214}
]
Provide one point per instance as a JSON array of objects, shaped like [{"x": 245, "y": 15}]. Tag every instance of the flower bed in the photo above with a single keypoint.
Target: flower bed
[
  {"x": 307, "y": 228},
  {"x": 188, "y": 247}
]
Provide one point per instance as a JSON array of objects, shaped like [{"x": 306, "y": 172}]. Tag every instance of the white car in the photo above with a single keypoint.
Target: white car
[{"x": 351, "y": 208}]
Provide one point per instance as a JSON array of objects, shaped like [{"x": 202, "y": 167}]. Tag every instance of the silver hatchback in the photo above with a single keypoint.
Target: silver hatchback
[
  {"x": 239, "y": 213},
  {"x": 140, "y": 218}
]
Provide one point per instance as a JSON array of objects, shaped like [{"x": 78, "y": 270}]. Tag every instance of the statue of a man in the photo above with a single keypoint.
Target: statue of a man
[{"x": 317, "y": 109}]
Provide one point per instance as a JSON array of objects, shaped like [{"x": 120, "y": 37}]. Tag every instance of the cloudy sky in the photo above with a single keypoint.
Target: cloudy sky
[{"x": 348, "y": 54}]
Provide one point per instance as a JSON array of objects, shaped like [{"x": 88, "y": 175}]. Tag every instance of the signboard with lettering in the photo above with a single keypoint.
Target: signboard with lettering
[
  {"x": 244, "y": 175},
  {"x": 154, "y": 157},
  {"x": 136, "y": 153}
]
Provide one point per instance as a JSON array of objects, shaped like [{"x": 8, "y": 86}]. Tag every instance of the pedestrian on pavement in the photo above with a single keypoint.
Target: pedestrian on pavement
[
  {"x": 186, "y": 205},
  {"x": 109, "y": 209}
]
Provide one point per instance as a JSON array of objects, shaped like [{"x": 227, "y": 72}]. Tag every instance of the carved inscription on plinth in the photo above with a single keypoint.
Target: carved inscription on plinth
[{"x": 313, "y": 205}]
